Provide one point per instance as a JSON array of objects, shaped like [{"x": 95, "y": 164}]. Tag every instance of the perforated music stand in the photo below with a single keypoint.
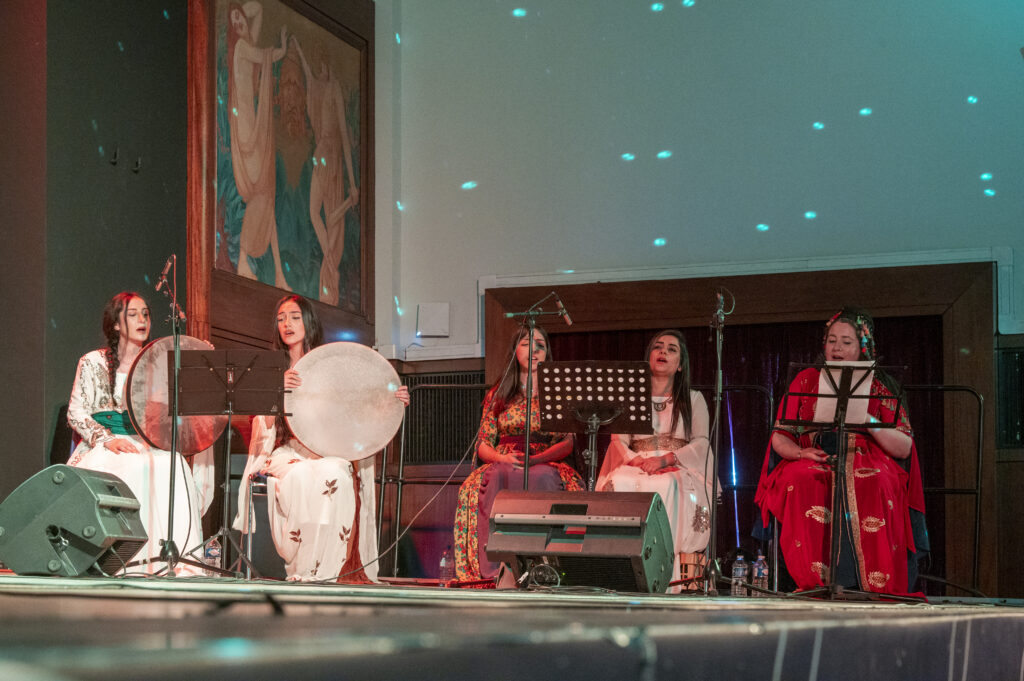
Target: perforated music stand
[
  {"x": 229, "y": 382},
  {"x": 584, "y": 397},
  {"x": 843, "y": 391}
]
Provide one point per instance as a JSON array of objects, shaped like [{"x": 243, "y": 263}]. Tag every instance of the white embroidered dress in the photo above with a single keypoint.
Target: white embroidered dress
[
  {"x": 686, "y": 491},
  {"x": 312, "y": 508},
  {"x": 147, "y": 472}
]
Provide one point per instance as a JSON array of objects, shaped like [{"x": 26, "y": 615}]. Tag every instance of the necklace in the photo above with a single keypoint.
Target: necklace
[{"x": 660, "y": 406}]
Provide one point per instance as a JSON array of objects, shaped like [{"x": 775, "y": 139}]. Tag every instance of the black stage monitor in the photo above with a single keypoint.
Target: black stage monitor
[{"x": 614, "y": 540}]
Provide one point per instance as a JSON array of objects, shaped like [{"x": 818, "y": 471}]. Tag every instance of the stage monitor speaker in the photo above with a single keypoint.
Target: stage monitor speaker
[
  {"x": 66, "y": 521},
  {"x": 614, "y": 540}
]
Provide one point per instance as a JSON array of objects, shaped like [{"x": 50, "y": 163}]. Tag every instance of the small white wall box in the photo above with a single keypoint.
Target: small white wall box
[{"x": 432, "y": 320}]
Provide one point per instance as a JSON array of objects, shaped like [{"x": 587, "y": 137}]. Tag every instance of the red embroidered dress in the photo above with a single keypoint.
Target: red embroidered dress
[{"x": 799, "y": 494}]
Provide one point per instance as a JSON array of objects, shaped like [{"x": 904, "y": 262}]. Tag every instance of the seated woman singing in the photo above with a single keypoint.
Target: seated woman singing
[
  {"x": 675, "y": 460},
  {"x": 882, "y": 478},
  {"x": 501, "y": 445},
  {"x": 322, "y": 508},
  {"x": 97, "y": 410}
]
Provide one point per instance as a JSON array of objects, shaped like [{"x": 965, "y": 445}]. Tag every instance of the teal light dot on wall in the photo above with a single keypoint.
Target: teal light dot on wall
[
  {"x": 664, "y": 154},
  {"x": 972, "y": 99},
  {"x": 657, "y": 7},
  {"x": 985, "y": 177},
  {"x": 810, "y": 215},
  {"x": 469, "y": 185},
  {"x": 689, "y": 3},
  {"x": 990, "y": 192},
  {"x": 818, "y": 125},
  {"x": 866, "y": 111},
  {"x": 519, "y": 12},
  {"x": 628, "y": 156},
  {"x": 762, "y": 227},
  {"x": 659, "y": 242}
]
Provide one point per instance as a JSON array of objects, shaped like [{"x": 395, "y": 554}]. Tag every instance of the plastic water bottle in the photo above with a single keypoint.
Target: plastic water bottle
[
  {"x": 760, "y": 576},
  {"x": 211, "y": 556},
  {"x": 740, "y": 568},
  {"x": 446, "y": 568}
]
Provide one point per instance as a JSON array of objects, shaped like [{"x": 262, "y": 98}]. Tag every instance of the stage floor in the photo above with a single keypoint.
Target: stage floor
[{"x": 197, "y": 629}]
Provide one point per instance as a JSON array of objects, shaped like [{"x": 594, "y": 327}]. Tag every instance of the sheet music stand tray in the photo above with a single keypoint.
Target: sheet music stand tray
[
  {"x": 588, "y": 396},
  {"x": 843, "y": 392},
  {"x": 230, "y": 382}
]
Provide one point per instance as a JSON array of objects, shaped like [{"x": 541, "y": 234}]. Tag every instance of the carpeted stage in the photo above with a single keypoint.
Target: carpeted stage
[{"x": 198, "y": 629}]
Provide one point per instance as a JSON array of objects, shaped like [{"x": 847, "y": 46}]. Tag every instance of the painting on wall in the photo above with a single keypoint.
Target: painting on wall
[{"x": 289, "y": 147}]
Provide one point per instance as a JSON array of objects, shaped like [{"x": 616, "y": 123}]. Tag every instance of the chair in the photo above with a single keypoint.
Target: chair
[{"x": 259, "y": 545}]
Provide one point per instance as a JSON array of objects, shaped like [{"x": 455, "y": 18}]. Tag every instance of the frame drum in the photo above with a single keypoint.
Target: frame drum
[
  {"x": 346, "y": 406},
  {"x": 147, "y": 393}
]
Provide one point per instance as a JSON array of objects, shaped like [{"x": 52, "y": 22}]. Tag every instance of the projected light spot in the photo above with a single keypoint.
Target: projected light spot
[
  {"x": 657, "y": 7},
  {"x": 763, "y": 227},
  {"x": 120, "y": 46},
  {"x": 398, "y": 39},
  {"x": 145, "y": 278},
  {"x": 469, "y": 185},
  {"x": 990, "y": 192},
  {"x": 287, "y": 267},
  {"x": 315, "y": 162},
  {"x": 818, "y": 125},
  {"x": 866, "y": 111},
  {"x": 659, "y": 242},
  {"x": 347, "y": 336},
  {"x": 398, "y": 307},
  {"x": 323, "y": 161},
  {"x": 167, "y": 15},
  {"x": 566, "y": 271},
  {"x": 985, "y": 177},
  {"x": 628, "y": 156},
  {"x": 220, "y": 100},
  {"x": 53, "y": 322},
  {"x": 689, "y": 3},
  {"x": 101, "y": 150},
  {"x": 95, "y": 125},
  {"x": 665, "y": 154},
  {"x": 972, "y": 100},
  {"x": 810, "y": 215},
  {"x": 399, "y": 206},
  {"x": 519, "y": 12},
  {"x": 234, "y": 111}
]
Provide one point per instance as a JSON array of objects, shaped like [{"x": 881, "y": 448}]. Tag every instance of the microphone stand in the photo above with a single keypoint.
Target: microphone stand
[
  {"x": 168, "y": 550},
  {"x": 712, "y": 570},
  {"x": 530, "y": 319}
]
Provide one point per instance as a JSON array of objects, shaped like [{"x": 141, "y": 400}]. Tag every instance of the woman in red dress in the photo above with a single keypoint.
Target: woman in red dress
[{"x": 882, "y": 478}]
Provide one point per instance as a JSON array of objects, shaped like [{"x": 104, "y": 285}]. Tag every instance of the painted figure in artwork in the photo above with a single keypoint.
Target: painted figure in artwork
[
  {"x": 332, "y": 159},
  {"x": 250, "y": 116}
]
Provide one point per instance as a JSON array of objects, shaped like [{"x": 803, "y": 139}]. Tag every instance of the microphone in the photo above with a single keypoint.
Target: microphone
[
  {"x": 562, "y": 312},
  {"x": 163, "y": 275}
]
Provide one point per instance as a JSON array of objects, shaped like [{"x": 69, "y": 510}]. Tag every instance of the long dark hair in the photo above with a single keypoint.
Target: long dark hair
[
  {"x": 681, "y": 407},
  {"x": 314, "y": 331},
  {"x": 864, "y": 325},
  {"x": 113, "y": 314},
  {"x": 313, "y": 337},
  {"x": 506, "y": 389}
]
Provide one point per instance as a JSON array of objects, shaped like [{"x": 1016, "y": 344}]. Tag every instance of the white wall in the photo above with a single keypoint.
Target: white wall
[{"x": 538, "y": 110}]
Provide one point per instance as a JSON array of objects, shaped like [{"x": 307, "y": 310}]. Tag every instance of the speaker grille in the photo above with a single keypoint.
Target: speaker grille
[{"x": 441, "y": 422}]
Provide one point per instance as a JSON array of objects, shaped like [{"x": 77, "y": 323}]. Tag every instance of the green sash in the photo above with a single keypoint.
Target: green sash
[{"x": 116, "y": 422}]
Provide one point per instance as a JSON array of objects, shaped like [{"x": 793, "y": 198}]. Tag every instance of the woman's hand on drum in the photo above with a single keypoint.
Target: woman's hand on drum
[
  {"x": 291, "y": 379},
  {"x": 403, "y": 395},
  {"x": 813, "y": 454},
  {"x": 121, "y": 445}
]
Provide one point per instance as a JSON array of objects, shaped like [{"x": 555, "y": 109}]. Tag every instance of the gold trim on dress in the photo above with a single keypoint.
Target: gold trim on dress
[{"x": 658, "y": 443}]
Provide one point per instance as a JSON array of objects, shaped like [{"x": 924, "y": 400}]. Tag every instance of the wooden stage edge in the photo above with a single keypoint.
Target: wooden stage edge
[{"x": 203, "y": 628}]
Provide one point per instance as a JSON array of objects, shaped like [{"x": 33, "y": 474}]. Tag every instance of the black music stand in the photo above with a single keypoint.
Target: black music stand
[
  {"x": 583, "y": 397},
  {"x": 229, "y": 382},
  {"x": 852, "y": 376}
]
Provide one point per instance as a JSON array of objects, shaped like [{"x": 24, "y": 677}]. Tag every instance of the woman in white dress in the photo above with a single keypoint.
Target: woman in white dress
[
  {"x": 675, "y": 460},
  {"x": 109, "y": 443},
  {"x": 321, "y": 509}
]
